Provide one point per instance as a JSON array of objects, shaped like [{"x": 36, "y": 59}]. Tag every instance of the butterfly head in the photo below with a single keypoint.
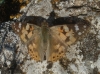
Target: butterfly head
[{"x": 44, "y": 24}]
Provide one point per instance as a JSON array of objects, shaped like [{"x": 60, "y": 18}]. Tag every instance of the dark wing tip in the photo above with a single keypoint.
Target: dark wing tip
[
  {"x": 70, "y": 20},
  {"x": 37, "y": 20}
]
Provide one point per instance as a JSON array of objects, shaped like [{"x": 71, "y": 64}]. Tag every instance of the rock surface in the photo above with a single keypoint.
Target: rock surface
[{"x": 83, "y": 57}]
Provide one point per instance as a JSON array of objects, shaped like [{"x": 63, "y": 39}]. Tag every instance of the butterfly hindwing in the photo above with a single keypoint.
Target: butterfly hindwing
[{"x": 56, "y": 48}]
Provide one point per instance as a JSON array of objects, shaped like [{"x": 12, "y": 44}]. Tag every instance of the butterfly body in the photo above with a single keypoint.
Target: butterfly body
[{"x": 49, "y": 41}]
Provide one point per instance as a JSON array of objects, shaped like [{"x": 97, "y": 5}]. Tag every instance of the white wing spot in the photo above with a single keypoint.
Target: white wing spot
[
  {"x": 79, "y": 33},
  {"x": 20, "y": 25},
  {"x": 17, "y": 30},
  {"x": 76, "y": 27},
  {"x": 84, "y": 26}
]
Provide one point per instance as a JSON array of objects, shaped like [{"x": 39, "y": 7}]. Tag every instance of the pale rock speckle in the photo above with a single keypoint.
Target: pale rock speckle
[{"x": 97, "y": 63}]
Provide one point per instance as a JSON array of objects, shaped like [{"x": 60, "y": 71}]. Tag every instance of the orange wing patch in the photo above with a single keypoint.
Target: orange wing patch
[
  {"x": 57, "y": 53},
  {"x": 33, "y": 52},
  {"x": 25, "y": 31}
]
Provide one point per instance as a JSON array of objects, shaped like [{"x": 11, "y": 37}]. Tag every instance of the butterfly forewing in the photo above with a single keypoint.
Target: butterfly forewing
[
  {"x": 30, "y": 35},
  {"x": 64, "y": 35}
]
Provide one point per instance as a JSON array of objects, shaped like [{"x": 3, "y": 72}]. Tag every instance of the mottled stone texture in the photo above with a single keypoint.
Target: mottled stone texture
[
  {"x": 82, "y": 57},
  {"x": 10, "y": 8}
]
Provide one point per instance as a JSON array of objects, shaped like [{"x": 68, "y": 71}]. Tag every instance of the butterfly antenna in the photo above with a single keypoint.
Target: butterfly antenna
[{"x": 52, "y": 14}]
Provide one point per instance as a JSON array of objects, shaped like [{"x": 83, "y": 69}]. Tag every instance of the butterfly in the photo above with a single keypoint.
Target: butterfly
[{"x": 48, "y": 39}]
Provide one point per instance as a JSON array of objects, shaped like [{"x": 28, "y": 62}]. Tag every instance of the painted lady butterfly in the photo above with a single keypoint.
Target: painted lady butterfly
[{"x": 48, "y": 39}]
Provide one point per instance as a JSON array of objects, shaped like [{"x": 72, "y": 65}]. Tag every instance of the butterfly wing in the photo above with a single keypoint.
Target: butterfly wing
[
  {"x": 56, "y": 48},
  {"x": 65, "y": 32},
  {"x": 64, "y": 35},
  {"x": 30, "y": 35}
]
